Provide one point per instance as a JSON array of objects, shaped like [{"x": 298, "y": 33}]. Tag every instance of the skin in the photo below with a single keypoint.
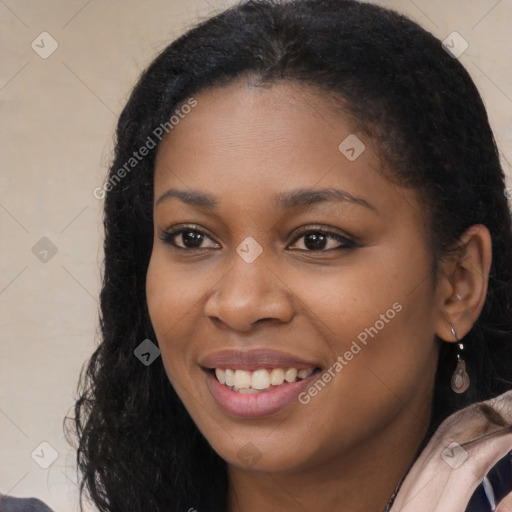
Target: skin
[{"x": 244, "y": 144}]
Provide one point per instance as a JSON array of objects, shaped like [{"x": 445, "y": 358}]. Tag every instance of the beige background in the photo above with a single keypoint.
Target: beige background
[{"x": 58, "y": 118}]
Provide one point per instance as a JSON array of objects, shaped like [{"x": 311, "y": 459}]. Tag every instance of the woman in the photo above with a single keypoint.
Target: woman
[{"x": 307, "y": 278}]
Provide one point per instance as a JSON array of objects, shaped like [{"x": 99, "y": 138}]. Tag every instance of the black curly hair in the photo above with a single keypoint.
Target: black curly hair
[{"x": 138, "y": 449}]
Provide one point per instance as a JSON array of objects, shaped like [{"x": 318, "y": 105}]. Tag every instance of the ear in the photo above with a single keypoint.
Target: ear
[{"x": 462, "y": 285}]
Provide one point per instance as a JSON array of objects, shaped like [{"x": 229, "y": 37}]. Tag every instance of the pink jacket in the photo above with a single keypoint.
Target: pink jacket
[{"x": 466, "y": 466}]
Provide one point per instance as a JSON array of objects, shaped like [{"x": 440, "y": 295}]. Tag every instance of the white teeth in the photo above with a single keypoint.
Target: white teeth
[
  {"x": 304, "y": 374},
  {"x": 246, "y": 391},
  {"x": 230, "y": 374},
  {"x": 221, "y": 375},
  {"x": 249, "y": 382},
  {"x": 290, "y": 375},
  {"x": 260, "y": 379},
  {"x": 242, "y": 379},
  {"x": 277, "y": 377}
]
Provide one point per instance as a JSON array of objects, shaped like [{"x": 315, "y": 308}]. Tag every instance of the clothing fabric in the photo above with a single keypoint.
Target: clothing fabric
[
  {"x": 495, "y": 486},
  {"x": 12, "y": 504}
]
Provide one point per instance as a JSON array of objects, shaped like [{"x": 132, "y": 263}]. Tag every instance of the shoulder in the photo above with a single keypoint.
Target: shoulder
[
  {"x": 466, "y": 465},
  {"x": 12, "y": 504},
  {"x": 494, "y": 487}
]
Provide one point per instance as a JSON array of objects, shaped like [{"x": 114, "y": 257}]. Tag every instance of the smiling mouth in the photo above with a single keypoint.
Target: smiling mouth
[{"x": 259, "y": 381}]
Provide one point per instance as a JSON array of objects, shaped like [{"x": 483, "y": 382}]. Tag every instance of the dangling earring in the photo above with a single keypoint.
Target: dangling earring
[{"x": 460, "y": 379}]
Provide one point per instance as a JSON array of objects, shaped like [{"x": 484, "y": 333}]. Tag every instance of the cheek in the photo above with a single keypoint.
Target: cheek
[
  {"x": 171, "y": 294},
  {"x": 378, "y": 316},
  {"x": 170, "y": 299},
  {"x": 343, "y": 302}
]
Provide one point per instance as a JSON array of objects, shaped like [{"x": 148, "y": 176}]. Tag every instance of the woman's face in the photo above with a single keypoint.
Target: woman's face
[{"x": 337, "y": 281}]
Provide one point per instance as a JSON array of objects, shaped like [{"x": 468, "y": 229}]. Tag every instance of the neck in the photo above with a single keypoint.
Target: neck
[{"x": 361, "y": 480}]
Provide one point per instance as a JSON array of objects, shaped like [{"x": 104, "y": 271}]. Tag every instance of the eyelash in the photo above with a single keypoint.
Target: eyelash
[{"x": 168, "y": 238}]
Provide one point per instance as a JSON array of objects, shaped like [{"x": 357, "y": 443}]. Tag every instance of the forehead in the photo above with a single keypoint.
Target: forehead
[
  {"x": 245, "y": 141},
  {"x": 284, "y": 119}
]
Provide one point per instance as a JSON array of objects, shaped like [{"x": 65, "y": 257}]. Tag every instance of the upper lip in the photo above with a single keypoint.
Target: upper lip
[{"x": 255, "y": 359}]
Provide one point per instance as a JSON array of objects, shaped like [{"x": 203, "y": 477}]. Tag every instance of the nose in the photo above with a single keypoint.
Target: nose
[{"x": 250, "y": 293}]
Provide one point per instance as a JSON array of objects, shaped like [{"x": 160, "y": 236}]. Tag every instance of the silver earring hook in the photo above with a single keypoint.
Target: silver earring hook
[{"x": 459, "y": 344}]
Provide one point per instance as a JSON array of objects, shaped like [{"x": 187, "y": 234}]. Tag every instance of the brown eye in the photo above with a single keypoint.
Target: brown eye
[
  {"x": 317, "y": 240},
  {"x": 191, "y": 238}
]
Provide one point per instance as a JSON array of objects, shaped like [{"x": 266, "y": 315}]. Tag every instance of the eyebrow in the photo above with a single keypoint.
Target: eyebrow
[{"x": 301, "y": 198}]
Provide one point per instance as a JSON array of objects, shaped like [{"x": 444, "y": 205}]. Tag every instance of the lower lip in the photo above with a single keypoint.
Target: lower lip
[{"x": 256, "y": 404}]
